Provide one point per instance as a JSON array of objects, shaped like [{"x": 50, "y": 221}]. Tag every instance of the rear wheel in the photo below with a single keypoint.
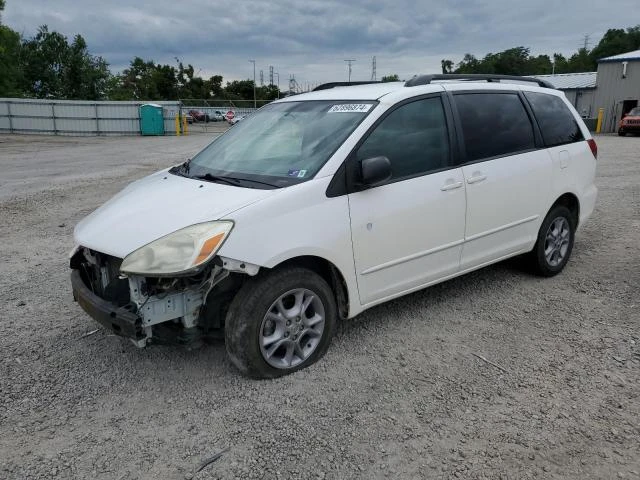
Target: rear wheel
[
  {"x": 555, "y": 242},
  {"x": 280, "y": 322},
  {"x": 622, "y": 133}
]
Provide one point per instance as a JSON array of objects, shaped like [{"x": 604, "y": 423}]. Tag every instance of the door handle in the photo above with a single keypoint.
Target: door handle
[
  {"x": 477, "y": 178},
  {"x": 451, "y": 186}
]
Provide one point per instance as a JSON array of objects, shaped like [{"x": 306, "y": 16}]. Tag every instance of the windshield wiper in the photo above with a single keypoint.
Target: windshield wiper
[
  {"x": 216, "y": 178},
  {"x": 258, "y": 181}
]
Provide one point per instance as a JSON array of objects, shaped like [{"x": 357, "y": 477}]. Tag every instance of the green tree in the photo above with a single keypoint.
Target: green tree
[
  {"x": 214, "y": 86},
  {"x": 447, "y": 66},
  {"x": 43, "y": 59},
  {"x": 391, "y": 78},
  {"x": 616, "y": 41},
  {"x": 560, "y": 63},
  {"x": 540, "y": 65},
  {"x": 240, "y": 90},
  {"x": 137, "y": 82},
  {"x": 53, "y": 68},
  {"x": 84, "y": 76},
  {"x": 11, "y": 76},
  {"x": 469, "y": 64},
  {"x": 581, "y": 61}
]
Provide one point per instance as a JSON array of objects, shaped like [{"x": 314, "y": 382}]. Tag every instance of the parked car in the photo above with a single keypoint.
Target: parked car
[
  {"x": 322, "y": 205},
  {"x": 218, "y": 116},
  {"x": 236, "y": 119},
  {"x": 199, "y": 116},
  {"x": 630, "y": 123}
]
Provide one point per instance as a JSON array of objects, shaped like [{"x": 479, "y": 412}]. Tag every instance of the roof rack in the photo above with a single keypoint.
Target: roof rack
[
  {"x": 326, "y": 86},
  {"x": 427, "y": 79}
]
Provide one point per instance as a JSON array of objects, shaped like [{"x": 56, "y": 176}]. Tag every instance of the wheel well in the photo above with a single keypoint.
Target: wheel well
[
  {"x": 329, "y": 272},
  {"x": 570, "y": 201}
]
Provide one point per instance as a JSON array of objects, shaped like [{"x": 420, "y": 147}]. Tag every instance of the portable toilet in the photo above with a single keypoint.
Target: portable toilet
[{"x": 151, "y": 119}]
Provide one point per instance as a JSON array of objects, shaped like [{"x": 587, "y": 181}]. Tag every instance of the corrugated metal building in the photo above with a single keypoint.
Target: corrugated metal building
[
  {"x": 579, "y": 88},
  {"x": 618, "y": 87}
]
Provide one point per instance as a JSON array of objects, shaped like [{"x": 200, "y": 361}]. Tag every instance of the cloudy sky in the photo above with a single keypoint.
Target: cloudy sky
[{"x": 311, "y": 38}]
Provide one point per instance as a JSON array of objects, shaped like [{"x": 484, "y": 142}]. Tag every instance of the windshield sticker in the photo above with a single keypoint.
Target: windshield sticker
[
  {"x": 350, "y": 108},
  {"x": 296, "y": 173}
]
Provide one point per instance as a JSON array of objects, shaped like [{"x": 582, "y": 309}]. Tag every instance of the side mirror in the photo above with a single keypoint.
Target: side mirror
[{"x": 375, "y": 171}]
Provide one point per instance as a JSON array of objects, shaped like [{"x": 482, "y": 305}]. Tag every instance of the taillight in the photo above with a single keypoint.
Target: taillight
[{"x": 593, "y": 147}]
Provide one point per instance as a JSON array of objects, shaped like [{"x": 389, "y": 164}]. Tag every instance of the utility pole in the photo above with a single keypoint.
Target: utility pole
[
  {"x": 277, "y": 75},
  {"x": 261, "y": 78},
  {"x": 373, "y": 69},
  {"x": 349, "y": 62},
  {"x": 270, "y": 74},
  {"x": 254, "y": 83},
  {"x": 585, "y": 45}
]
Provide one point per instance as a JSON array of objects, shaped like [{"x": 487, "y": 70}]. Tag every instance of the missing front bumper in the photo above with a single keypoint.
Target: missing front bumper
[{"x": 120, "y": 320}]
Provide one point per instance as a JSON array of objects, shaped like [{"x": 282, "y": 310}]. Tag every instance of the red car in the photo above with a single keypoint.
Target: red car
[
  {"x": 630, "y": 123},
  {"x": 199, "y": 116}
]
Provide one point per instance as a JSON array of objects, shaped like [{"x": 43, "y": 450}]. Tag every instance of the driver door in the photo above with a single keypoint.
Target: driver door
[{"x": 409, "y": 231}]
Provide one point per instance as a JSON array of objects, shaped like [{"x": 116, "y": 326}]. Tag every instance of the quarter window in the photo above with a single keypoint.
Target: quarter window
[
  {"x": 494, "y": 124},
  {"x": 556, "y": 122},
  {"x": 413, "y": 137}
]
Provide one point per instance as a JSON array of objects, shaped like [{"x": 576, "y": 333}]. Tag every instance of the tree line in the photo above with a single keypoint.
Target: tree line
[
  {"x": 48, "y": 65},
  {"x": 519, "y": 61}
]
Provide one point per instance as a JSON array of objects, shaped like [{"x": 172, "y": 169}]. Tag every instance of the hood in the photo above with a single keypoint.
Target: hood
[{"x": 156, "y": 206}]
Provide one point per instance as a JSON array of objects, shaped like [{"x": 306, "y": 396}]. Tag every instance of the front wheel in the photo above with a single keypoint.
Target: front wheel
[
  {"x": 555, "y": 242},
  {"x": 621, "y": 133},
  {"x": 280, "y": 322}
]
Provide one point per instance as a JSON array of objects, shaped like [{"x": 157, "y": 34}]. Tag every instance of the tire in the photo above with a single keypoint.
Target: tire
[
  {"x": 622, "y": 133},
  {"x": 291, "y": 341},
  {"x": 555, "y": 242}
]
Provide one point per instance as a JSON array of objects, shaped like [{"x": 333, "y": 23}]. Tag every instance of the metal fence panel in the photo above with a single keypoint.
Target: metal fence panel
[
  {"x": 68, "y": 117},
  {"x": 32, "y": 124}
]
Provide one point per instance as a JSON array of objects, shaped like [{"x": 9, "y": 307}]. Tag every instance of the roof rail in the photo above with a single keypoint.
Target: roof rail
[
  {"x": 427, "y": 79},
  {"x": 326, "y": 86}
]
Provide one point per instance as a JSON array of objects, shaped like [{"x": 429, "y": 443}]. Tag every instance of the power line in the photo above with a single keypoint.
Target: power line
[{"x": 349, "y": 62}]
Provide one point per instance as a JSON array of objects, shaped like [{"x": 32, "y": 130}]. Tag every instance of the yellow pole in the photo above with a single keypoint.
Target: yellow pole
[
  {"x": 185, "y": 129},
  {"x": 177, "y": 125},
  {"x": 599, "y": 124}
]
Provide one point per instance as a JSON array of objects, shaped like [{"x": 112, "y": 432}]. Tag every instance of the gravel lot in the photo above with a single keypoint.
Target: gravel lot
[{"x": 400, "y": 393}]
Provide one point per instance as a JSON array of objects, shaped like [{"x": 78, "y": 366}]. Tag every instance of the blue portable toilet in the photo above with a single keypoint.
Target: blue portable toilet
[{"x": 151, "y": 119}]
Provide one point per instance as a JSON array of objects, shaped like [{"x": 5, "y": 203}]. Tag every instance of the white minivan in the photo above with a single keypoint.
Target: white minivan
[{"x": 321, "y": 205}]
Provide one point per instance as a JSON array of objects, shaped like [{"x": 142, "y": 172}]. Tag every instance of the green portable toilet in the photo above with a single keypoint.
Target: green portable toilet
[{"x": 151, "y": 119}]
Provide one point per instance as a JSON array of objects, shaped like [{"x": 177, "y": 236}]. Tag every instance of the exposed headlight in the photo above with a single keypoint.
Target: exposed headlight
[{"x": 178, "y": 252}]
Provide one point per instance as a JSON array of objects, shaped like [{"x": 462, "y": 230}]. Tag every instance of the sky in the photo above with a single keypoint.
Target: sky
[{"x": 310, "y": 39}]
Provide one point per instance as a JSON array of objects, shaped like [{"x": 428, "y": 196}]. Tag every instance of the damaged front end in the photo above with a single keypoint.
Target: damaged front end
[{"x": 179, "y": 309}]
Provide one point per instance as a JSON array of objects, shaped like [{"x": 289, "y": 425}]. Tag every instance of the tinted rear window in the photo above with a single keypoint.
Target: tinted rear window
[
  {"x": 494, "y": 124},
  {"x": 557, "y": 124}
]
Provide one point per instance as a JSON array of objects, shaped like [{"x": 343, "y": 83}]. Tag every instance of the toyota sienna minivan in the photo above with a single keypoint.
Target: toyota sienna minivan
[{"x": 321, "y": 205}]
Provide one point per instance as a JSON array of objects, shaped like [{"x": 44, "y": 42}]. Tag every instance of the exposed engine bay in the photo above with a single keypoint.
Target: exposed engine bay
[{"x": 179, "y": 309}]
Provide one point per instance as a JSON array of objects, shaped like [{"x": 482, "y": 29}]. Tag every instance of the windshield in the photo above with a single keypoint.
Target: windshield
[
  {"x": 281, "y": 144},
  {"x": 635, "y": 112}
]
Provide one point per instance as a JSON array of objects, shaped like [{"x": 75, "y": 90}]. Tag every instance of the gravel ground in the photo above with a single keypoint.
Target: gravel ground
[{"x": 400, "y": 393}]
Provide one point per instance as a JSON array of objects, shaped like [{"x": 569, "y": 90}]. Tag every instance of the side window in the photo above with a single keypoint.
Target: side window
[
  {"x": 413, "y": 137},
  {"x": 556, "y": 122},
  {"x": 494, "y": 124}
]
